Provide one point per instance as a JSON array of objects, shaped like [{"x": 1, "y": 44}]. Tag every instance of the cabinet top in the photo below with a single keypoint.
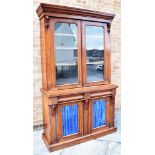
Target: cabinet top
[
  {"x": 46, "y": 9},
  {"x": 80, "y": 90}
]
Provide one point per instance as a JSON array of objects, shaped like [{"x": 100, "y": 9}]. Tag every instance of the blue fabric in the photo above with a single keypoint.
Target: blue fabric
[
  {"x": 70, "y": 119},
  {"x": 99, "y": 110}
]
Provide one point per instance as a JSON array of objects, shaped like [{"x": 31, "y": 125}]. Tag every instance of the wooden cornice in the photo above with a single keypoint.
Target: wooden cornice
[{"x": 45, "y": 9}]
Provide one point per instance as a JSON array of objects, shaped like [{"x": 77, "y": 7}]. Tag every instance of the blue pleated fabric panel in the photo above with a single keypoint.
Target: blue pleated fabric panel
[
  {"x": 70, "y": 119},
  {"x": 99, "y": 110}
]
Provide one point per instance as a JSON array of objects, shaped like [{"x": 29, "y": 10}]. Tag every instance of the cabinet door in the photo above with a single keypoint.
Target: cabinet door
[
  {"x": 94, "y": 53},
  {"x": 99, "y": 114},
  {"x": 67, "y": 53},
  {"x": 70, "y": 120}
]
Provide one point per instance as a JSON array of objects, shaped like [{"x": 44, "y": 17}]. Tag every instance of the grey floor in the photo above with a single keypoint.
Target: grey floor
[{"x": 106, "y": 145}]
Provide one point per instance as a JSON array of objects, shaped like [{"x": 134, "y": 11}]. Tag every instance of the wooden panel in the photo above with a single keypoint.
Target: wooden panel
[
  {"x": 101, "y": 93},
  {"x": 52, "y": 53},
  {"x": 46, "y": 118},
  {"x": 112, "y": 108},
  {"x": 43, "y": 54},
  {"x": 48, "y": 47},
  {"x": 107, "y": 55},
  {"x": 112, "y": 111},
  {"x": 86, "y": 117},
  {"x": 53, "y": 122},
  {"x": 67, "y": 98}
]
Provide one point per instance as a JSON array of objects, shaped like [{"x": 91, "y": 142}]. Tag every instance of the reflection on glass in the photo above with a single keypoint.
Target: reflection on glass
[
  {"x": 65, "y": 38},
  {"x": 95, "y": 53}
]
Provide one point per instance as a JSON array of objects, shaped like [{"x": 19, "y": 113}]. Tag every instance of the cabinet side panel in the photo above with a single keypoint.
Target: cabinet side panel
[
  {"x": 48, "y": 41},
  {"x": 46, "y": 117},
  {"x": 53, "y": 121},
  {"x": 43, "y": 54},
  {"x": 112, "y": 110}
]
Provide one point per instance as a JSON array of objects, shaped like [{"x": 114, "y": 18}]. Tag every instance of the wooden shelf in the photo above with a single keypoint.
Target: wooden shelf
[
  {"x": 95, "y": 63},
  {"x": 65, "y": 48},
  {"x": 95, "y": 36},
  {"x": 65, "y": 34}
]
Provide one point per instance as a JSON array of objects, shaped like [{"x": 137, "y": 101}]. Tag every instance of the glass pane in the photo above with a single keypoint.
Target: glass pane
[
  {"x": 99, "y": 111},
  {"x": 66, "y": 53},
  {"x": 70, "y": 119},
  {"x": 95, "y": 53}
]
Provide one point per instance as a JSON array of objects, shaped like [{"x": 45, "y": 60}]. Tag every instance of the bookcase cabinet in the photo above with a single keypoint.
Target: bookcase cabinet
[{"x": 77, "y": 95}]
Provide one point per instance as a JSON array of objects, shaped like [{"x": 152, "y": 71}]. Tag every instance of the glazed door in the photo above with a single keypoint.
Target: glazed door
[
  {"x": 94, "y": 51},
  {"x": 66, "y": 53}
]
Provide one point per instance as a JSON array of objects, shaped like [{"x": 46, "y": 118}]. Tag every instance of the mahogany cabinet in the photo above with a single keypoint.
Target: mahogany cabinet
[{"x": 77, "y": 95}]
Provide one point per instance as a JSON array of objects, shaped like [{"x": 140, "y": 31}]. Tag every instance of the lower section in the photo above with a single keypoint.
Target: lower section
[
  {"x": 73, "y": 117},
  {"x": 79, "y": 140}
]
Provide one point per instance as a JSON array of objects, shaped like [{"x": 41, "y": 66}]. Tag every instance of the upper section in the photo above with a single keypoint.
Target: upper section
[
  {"x": 75, "y": 47},
  {"x": 49, "y": 9}
]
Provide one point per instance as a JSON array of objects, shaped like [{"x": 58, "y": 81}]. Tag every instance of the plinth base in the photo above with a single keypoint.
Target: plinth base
[{"x": 61, "y": 145}]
